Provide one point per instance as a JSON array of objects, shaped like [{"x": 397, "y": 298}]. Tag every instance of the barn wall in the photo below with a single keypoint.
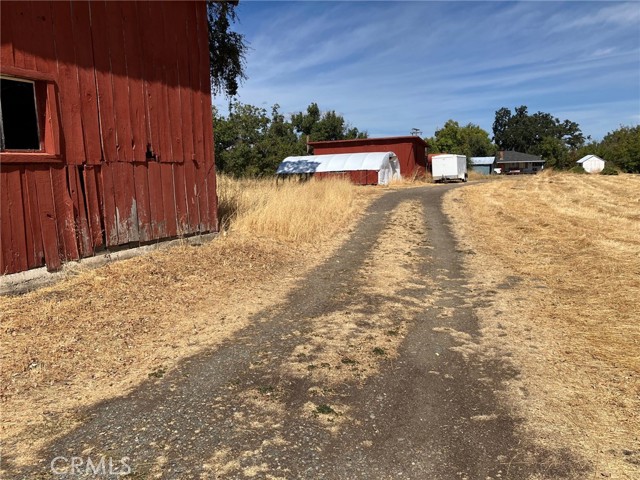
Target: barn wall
[
  {"x": 411, "y": 155},
  {"x": 127, "y": 149}
]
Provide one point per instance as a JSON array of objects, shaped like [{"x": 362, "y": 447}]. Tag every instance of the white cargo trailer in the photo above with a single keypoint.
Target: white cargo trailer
[{"x": 447, "y": 168}]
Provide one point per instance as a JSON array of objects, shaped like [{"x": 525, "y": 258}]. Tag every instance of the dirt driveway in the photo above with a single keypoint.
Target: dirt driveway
[{"x": 365, "y": 371}]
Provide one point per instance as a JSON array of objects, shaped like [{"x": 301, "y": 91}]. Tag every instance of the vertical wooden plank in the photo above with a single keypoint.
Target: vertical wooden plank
[
  {"x": 102, "y": 76},
  {"x": 212, "y": 193},
  {"x": 7, "y": 262},
  {"x": 191, "y": 191},
  {"x": 35, "y": 218},
  {"x": 182, "y": 212},
  {"x": 43, "y": 42},
  {"x": 68, "y": 88},
  {"x": 186, "y": 89},
  {"x": 6, "y": 42},
  {"x": 81, "y": 220},
  {"x": 86, "y": 81},
  {"x": 31, "y": 24},
  {"x": 170, "y": 16},
  {"x": 141, "y": 184},
  {"x": 135, "y": 77},
  {"x": 52, "y": 134},
  {"x": 28, "y": 227},
  {"x": 156, "y": 202},
  {"x": 41, "y": 178},
  {"x": 153, "y": 53},
  {"x": 150, "y": 83},
  {"x": 203, "y": 201},
  {"x": 6, "y": 38},
  {"x": 16, "y": 212},
  {"x": 125, "y": 202},
  {"x": 149, "y": 138},
  {"x": 94, "y": 209},
  {"x": 28, "y": 25},
  {"x": 15, "y": 12},
  {"x": 108, "y": 204},
  {"x": 168, "y": 199},
  {"x": 5, "y": 241},
  {"x": 195, "y": 77},
  {"x": 67, "y": 241},
  {"x": 115, "y": 40}
]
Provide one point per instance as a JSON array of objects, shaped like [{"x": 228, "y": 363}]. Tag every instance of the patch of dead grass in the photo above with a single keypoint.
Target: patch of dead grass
[
  {"x": 289, "y": 211},
  {"x": 560, "y": 256}
]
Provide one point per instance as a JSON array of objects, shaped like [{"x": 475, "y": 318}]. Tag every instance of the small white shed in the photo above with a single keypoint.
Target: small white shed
[
  {"x": 592, "y": 163},
  {"x": 383, "y": 166}
]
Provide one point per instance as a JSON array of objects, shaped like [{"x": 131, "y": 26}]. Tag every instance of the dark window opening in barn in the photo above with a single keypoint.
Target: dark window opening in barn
[{"x": 19, "y": 118}]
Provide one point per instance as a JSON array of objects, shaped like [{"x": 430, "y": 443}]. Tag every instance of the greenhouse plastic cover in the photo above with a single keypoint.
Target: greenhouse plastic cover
[{"x": 341, "y": 162}]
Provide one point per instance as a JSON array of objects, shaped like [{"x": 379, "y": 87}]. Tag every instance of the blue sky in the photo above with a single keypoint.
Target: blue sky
[{"x": 391, "y": 66}]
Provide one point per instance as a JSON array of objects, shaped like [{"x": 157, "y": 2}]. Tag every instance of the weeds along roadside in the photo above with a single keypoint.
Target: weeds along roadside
[{"x": 287, "y": 211}]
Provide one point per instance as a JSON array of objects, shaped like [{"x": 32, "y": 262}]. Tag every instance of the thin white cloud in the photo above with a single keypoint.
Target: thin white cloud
[
  {"x": 389, "y": 67},
  {"x": 600, "y": 52},
  {"x": 622, "y": 14}
]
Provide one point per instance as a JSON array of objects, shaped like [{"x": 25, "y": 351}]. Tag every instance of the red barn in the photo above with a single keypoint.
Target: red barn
[
  {"x": 411, "y": 151},
  {"x": 107, "y": 134}
]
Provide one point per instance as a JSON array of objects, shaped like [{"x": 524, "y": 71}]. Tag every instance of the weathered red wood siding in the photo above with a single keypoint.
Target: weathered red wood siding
[
  {"x": 359, "y": 177},
  {"x": 114, "y": 81},
  {"x": 411, "y": 152}
]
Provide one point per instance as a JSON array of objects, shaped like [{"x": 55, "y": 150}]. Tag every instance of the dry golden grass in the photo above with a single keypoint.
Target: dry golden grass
[
  {"x": 475, "y": 175},
  {"x": 560, "y": 255},
  {"x": 291, "y": 211},
  {"x": 99, "y": 333}
]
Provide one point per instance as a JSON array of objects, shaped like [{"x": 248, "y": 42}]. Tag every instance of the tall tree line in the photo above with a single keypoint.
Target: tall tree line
[
  {"x": 250, "y": 141},
  {"x": 559, "y": 142}
]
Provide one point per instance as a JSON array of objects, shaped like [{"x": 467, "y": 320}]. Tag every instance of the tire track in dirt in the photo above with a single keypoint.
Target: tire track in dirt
[{"x": 367, "y": 370}]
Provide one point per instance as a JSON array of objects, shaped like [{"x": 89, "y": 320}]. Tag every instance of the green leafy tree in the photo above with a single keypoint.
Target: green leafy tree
[
  {"x": 622, "y": 148},
  {"x": 238, "y": 139},
  {"x": 538, "y": 134},
  {"x": 554, "y": 152},
  {"x": 227, "y": 49},
  {"x": 619, "y": 148},
  {"x": 280, "y": 142},
  {"x": 250, "y": 142},
  {"x": 469, "y": 140},
  {"x": 324, "y": 126}
]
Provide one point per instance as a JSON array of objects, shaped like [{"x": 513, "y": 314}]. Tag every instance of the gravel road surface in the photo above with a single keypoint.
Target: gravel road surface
[{"x": 427, "y": 409}]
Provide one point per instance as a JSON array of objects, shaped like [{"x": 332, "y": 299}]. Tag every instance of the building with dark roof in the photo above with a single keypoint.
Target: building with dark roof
[{"x": 512, "y": 163}]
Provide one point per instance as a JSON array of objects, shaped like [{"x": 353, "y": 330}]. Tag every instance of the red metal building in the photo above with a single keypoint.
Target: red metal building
[
  {"x": 410, "y": 150},
  {"x": 106, "y": 128}
]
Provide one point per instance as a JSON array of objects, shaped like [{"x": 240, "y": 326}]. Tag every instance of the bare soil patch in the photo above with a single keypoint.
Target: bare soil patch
[{"x": 557, "y": 257}]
